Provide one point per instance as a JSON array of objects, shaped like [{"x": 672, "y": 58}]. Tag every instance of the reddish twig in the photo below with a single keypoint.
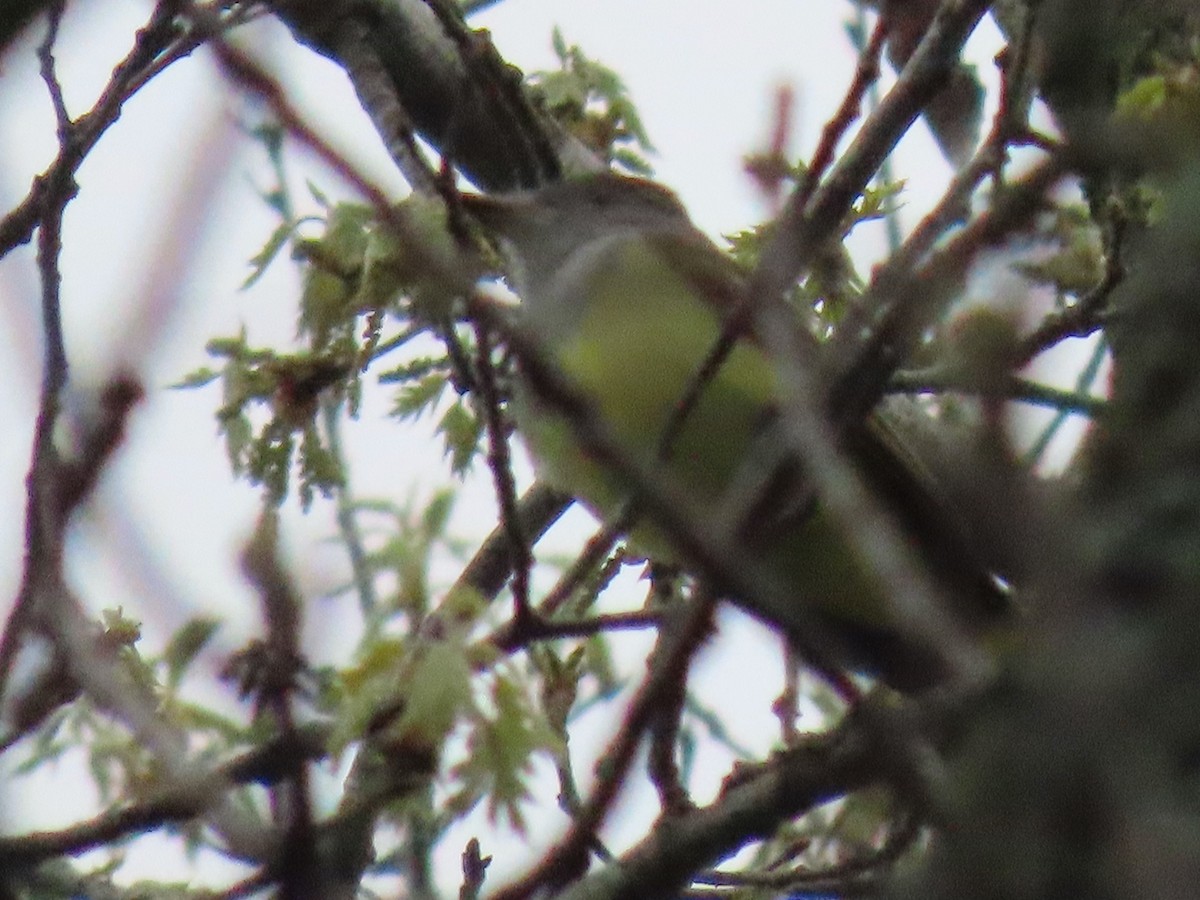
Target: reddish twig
[
  {"x": 866, "y": 73},
  {"x": 569, "y": 858},
  {"x": 156, "y": 46},
  {"x": 807, "y": 222},
  {"x": 500, "y": 464},
  {"x": 268, "y": 763},
  {"x": 511, "y": 639},
  {"x": 275, "y": 684}
]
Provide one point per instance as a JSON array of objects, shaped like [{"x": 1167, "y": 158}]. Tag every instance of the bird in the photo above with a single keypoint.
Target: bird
[{"x": 628, "y": 298}]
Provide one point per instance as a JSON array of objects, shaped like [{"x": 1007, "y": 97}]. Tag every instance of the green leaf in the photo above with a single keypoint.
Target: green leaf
[
  {"x": 196, "y": 378},
  {"x": 633, "y": 162},
  {"x": 326, "y": 305},
  {"x": 319, "y": 195},
  {"x": 185, "y": 645},
  {"x": 591, "y": 101},
  {"x": 1144, "y": 97},
  {"x": 420, "y": 257},
  {"x": 437, "y": 693},
  {"x": 500, "y": 752},
  {"x": 238, "y": 435},
  {"x": 559, "y": 44},
  {"x": 331, "y": 279},
  {"x": 320, "y": 469},
  {"x": 427, "y": 681},
  {"x": 461, "y": 430},
  {"x": 1078, "y": 264},
  {"x": 418, "y": 396},
  {"x": 437, "y": 514},
  {"x": 269, "y": 460},
  {"x": 361, "y": 691},
  {"x": 277, "y": 241},
  {"x": 877, "y": 201},
  {"x": 195, "y": 717},
  {"x": 226, "y": 347}
]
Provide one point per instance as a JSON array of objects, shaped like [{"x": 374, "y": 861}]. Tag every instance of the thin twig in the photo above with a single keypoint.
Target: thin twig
[
  {"x": 538, "y": 629},
  {"x": 906, "y": 300},
  {"x": 664, "y": 727},
  {"x": 585, "y": 564},
  {"x": 347, "y": 519},
  {"x": 490, "y": 567},
  {"x": 866, "y": 74},
  {"x": 378, "y": 96},
  {"x": 186, "y": 799},
  {"x": 1085, "y": 316},
  {"x": 819, "y": 768},
  {"x": 156, "y": 46},
  {"x": 474, "y": 866},
  {"x": 282, "y": 608},
  {"x": 807, "y": 223},
  {"x": 1010, "y": 388},
  {"x": 566, "y": 861},
  {"x": 500, "y": 464}
]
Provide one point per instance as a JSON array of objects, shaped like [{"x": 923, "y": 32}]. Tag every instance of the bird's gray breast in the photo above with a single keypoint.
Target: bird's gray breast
[{"x": 555, "y": 291}]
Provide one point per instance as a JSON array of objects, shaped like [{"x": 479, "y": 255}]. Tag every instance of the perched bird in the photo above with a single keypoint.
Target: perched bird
[{"x": 628, "y": 299}]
